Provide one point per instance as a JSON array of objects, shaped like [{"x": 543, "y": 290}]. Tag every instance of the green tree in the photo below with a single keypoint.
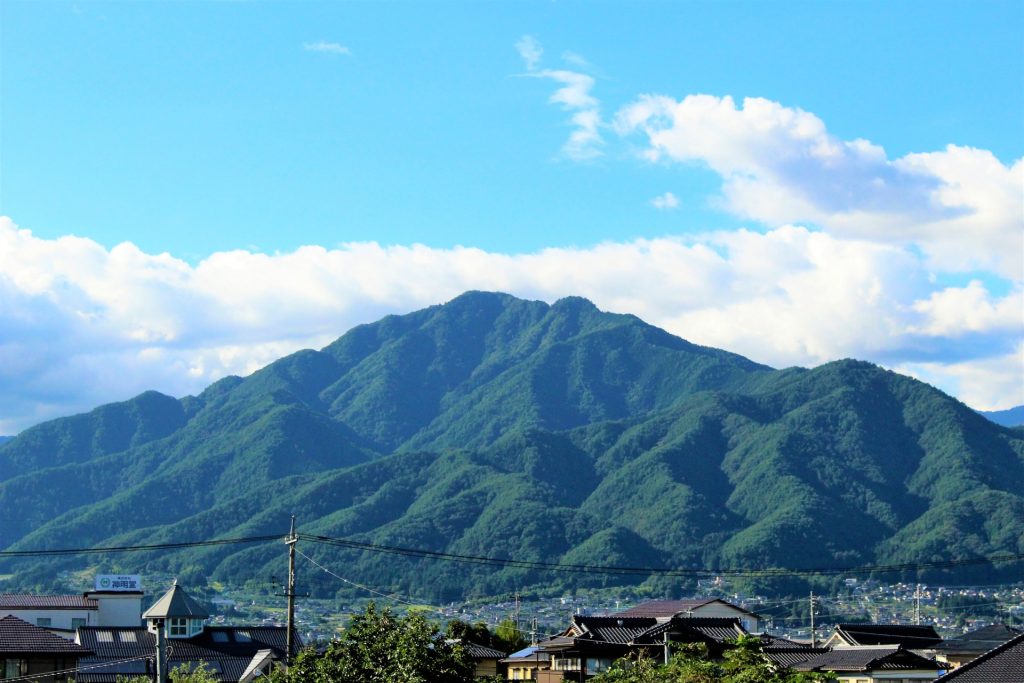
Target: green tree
[
  {"x": 744, "y": 662},
  {"x": 379, "y": 647}
]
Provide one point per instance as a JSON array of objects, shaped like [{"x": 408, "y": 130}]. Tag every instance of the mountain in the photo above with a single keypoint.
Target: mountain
[
  {"x": 493, "y": 426},
  {"x": 1011, "y": 417},
  {"x": 5, "y": 439}
]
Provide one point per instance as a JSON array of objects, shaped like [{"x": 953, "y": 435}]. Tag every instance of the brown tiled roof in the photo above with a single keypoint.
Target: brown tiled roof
[
  {"x": 999, "y": 665},
  {"x": 13, "y": 601},
  {"x": 20, "y": 637},
  {"x": 664, "y": 608}
]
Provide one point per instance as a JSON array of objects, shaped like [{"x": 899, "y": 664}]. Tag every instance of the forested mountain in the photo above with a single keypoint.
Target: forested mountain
[{"x": 507, "y": 428}]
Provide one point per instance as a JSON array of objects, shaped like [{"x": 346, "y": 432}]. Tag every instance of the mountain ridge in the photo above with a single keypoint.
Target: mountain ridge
[{"x": 501, "y": 427}]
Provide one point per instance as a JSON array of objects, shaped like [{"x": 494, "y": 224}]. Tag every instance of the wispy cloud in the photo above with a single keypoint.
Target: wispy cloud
[
  {"x": 573, "y": 95},
  {"x": 327, "y": 47},
  {"x": 83, "y": 324},
  {"x": 530, "y": 50},
  {"x": 665, "y": 201}
]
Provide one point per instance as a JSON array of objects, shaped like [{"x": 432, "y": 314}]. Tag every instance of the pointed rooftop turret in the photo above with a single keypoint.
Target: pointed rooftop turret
[{"x": 178, "y": 612}]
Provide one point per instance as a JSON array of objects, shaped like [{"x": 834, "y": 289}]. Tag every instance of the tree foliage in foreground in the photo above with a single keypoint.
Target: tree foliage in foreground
[
  {"x": 745, "y": 662},
  {"x": 379, "y": 647}
]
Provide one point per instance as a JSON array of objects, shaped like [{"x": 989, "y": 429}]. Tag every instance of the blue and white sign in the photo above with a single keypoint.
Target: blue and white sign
[{"x": 118, "y": 582}]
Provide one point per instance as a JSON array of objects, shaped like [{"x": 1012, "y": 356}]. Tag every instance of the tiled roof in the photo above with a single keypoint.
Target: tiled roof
[
  {"x": 791, "y": 656},
  {"x": 476, "y": 651},
  {"x": 980, "y": 640},
  {"x": 889, "y": 634},
  {"x": 868, "y": 658},
  {"x": 663, "y": 608},
  {"x": 20, "y": 637},
  {"x": 1001, "y": 664},
  {"x": 13, "y": 601},
  {"x": 229, "y": 649}
]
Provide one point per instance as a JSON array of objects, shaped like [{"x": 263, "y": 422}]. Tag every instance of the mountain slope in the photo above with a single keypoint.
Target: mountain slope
[{"x": 506, "y": 428}]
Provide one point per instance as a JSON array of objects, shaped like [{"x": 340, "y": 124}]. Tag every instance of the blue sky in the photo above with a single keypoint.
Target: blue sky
[{"x": 214, "y": 132}]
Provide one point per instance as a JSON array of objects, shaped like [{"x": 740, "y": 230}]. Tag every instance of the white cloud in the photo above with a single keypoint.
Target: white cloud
[
  {"x": 530, "y": 50},
  {"x": 327, "y": 47},
  {"x": 82, "y": 324},
  {"x": 574, "y": 95},
  {"x": 665, "y": 201},
  {"x": 961, "y": 206}
]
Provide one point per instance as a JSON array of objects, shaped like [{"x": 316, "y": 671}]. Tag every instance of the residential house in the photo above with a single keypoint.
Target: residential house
[
  {"x": 906, "y": 636},
  {"x": 236, "y": 654},
  {"x": 955, "y": 652},
  {"x": 1002, "y": 664},
  {"x": 485, "y": 659},
  {"x": 116, "y": 601},
  {"x": 697, "y": 607},
  {"x": 872, "y": 664},
  {"x": 524, "y": 664},
  {"x": 29, "y": 650},
  {"x": 591, "y": 644}
]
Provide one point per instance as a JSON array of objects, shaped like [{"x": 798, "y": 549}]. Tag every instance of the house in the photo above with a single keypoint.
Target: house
[
  {"x": 236, "y": 654},
  {"x": 999, "y": 665},
  {"x": 696, "y": 607},
  {"x": 955, "y": 652},
  {"x": 591, "y": 644},
  {"x": 904, "y": 635},
  {"x": 872, "y": 664},
  {"x": 485, "y": 659},
  {"x": 524, "y": 664},
  {"x": 116, "y": 601},
  {"x": 29, "y": 650}
]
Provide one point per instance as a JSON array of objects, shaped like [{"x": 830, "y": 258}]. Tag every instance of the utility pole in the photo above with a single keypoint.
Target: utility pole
[
  {"x": 161, "y": 653},
  {"x": 517, "y": 612},
  {"x": 917, "y": 605},
  {"x": 814, "y": 634},
  {"x": 292, "y": 539},
  {"x": 533, "y": 632}
]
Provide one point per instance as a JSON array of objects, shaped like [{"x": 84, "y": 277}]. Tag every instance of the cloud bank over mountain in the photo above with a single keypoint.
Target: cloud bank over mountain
[{"x": 83, "y": 324}]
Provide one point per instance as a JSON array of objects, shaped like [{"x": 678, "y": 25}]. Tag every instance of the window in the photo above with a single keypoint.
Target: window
[
  {"x": 43, "y": 621},
  {"x": 77, "y": 622},
  {"x": 195, "y": 626},
  {"x": 177, "y": 627},
  {"x": 566, "y": 664},
  {"x": 13, "y": 668},
  {"x": 597, "y": 665}
]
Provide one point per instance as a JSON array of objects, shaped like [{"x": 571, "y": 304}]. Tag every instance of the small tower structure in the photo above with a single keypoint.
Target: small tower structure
[{"x": 177, "y": 613}]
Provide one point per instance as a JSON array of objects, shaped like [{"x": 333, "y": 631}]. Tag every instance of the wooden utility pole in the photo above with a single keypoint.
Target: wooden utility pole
[{"x": 292, "y": 539}]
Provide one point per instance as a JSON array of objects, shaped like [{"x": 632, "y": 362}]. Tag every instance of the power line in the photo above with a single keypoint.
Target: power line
[
  {"x": 137, "y": 548},
  {"x": 771, "y": 572},
  {"x": 47, "y": 674},
  {"x": 662, "y": 571},
  {"x": 386, "y": 596}
]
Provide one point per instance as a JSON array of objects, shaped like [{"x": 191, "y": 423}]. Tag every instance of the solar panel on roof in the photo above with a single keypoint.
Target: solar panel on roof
[{"x": 104, "y": 636}]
